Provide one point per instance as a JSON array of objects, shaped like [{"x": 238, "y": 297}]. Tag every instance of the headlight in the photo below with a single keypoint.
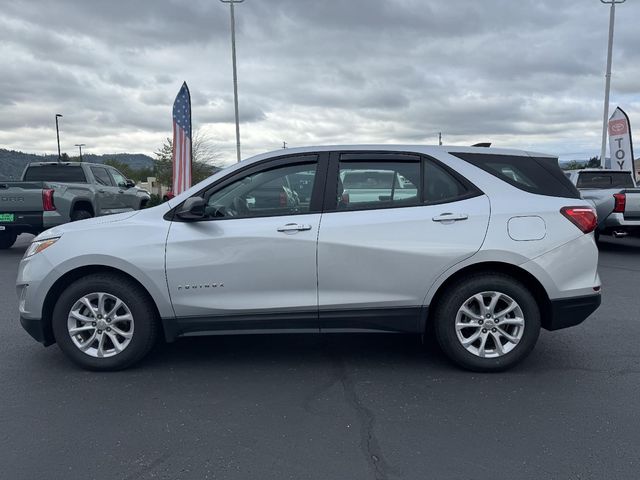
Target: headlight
[{"x": 39, "y": 246}]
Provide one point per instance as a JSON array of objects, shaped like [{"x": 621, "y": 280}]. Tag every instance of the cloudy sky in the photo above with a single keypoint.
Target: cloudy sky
[{"x": 525, "y": 73}]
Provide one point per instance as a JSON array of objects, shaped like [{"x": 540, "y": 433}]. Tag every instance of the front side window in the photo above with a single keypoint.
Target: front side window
[
  {"x": 278, "y": 191},
  {"x": 102, "y": 176},
  {"x": 118, "y": 178},
  {"x": 378, "y": 184}
]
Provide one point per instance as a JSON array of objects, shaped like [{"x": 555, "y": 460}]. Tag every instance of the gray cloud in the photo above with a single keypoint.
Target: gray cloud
[{"x": 525, "y": 74}]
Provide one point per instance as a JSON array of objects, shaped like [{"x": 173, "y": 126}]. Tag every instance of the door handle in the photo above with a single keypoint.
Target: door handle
[
  {"x": 100, "y": 191},
  {"x": 294, "y": 227},
  {"x": 450, "y": 217},
  {"x": 120, "y": 191}
]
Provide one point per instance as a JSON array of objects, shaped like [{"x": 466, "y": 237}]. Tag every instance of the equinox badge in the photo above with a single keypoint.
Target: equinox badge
[{"x": 203, "y": 285}]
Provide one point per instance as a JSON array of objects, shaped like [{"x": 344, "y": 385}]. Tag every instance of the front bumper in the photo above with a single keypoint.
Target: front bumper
[
  {"x": 568, "y": 312},
  {"x": 38, "y": 330}
]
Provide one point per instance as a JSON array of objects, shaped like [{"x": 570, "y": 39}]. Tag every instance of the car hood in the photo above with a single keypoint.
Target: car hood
[{"x": 86, "y": 224}]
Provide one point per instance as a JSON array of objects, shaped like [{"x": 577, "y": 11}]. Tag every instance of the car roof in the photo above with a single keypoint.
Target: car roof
[
  {"x": 424, "y": 149},
  {"x": 66, "y": 164}
]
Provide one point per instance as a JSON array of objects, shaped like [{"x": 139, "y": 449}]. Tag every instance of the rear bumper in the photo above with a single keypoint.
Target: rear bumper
[
  {"x": 567, "y": 312},
  {"x": 617, "y": 221},
  {"x": 38, "y": 330},
  {"x": 25, "y": 222}
]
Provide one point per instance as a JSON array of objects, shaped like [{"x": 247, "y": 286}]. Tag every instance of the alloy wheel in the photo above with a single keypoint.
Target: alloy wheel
[
  {"x": 490, "y": 324},
  {"x": 100, "y": 325}
]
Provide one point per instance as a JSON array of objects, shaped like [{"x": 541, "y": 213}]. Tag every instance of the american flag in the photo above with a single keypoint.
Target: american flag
[{"x": 182, "y": 141}]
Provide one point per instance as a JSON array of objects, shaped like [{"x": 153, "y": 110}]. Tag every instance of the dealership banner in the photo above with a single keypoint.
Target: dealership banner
[
  {"x": 620, "y": 142},
  {"x": 182, "y": 141}
]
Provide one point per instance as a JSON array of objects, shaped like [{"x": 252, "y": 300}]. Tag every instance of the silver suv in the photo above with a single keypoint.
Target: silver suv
[{"x": 480, "y": 246}]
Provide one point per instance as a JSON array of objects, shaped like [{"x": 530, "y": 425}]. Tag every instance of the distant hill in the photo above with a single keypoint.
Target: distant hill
[{"x": 12, "y": 162}]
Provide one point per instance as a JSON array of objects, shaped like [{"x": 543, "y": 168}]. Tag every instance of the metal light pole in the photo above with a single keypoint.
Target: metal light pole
[
  {"x": 80, "y": 145},
  {"x": 58, "y": 134},
  {"x": 235, "y": 74},
  {"x": 605, "y": 117}
]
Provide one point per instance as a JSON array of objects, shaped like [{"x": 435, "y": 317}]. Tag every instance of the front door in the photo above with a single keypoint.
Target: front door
[
  {"x": 251, "y": 262},
  {"x": 393, "y": 224}
]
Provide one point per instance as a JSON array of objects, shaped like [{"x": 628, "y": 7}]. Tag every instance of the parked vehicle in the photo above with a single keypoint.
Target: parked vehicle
[
  {"x": 52, "y": 193},
  {"x": 168, "y": 196},
  {"x": 375, "y": 186},
  {"x": 494, "y": 245},
  {"x": 615, "y": 197}
]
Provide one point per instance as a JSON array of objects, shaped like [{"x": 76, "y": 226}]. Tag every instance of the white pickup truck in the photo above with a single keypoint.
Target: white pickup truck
[{"x": 615, "y": 197}]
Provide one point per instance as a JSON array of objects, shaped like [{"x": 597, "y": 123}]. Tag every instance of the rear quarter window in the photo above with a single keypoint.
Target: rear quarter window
[{"x": 539, "y": 175}]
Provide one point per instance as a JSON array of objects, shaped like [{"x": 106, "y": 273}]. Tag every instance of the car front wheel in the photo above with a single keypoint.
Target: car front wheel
[
  {"x": 487, "y": 322},
  {"x": 105, "y": 322}
]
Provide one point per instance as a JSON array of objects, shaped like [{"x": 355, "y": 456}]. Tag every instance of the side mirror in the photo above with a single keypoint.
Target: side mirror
[
  {"x": 192, "y": 209},
  {"x": 130, "y": 183}
]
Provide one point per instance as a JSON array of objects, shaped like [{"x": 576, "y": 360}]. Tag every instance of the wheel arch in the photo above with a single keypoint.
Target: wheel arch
[
  {"x": 82, "y": 204},
  {"x": 71, "y": 276},
  {"x": 520, "y": 274}
]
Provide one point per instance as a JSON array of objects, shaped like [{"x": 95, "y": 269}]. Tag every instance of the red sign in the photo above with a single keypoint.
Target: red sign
[{"x": 618, "y": 127}]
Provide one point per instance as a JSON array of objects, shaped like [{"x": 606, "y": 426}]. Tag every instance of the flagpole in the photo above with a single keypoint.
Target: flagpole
[
  {"x": 607, "y": 87},
  {"x": 235, "y": 74}
]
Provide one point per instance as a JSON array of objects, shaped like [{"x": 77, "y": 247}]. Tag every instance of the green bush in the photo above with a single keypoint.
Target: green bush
[{"x": 154, "y": 201}]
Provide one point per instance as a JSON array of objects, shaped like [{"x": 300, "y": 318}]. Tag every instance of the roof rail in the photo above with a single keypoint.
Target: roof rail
[{"x": 482, "y": 144}]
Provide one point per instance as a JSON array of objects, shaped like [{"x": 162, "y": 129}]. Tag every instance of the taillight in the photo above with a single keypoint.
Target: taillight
[
  {"x": 584, "y": 218},
  {"x": 621, "y": 202},
  {"x": 47, "y": 200}
]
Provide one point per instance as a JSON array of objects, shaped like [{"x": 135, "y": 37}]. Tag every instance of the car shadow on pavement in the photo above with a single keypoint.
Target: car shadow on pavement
[{"x": 297, "y": 350}]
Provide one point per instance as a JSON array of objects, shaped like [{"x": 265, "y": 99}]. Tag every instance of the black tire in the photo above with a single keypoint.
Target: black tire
[
  {"x": 7, "y": 239},
  {"x": 456, "y": 296},
  {"x": 80, "y": 215},
  {"x": 145, "y": 330}
]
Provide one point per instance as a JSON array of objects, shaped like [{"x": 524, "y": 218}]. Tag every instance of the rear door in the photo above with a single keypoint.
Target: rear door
[
  {"x": 126, "y": 198},
  {"x": 106, "y": 191},
  {"x": 379, "y": 254}
]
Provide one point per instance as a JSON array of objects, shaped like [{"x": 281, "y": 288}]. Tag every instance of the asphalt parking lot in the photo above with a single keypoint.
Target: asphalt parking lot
[{"x": 339, "y": 407}]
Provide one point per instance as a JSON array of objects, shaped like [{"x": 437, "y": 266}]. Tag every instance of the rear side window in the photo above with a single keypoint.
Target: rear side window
[
  {"x": 605, "y": 180},
  {"x": 540, "y": 175},
  {"x": 378, "y": 184},
  {"x": 55, "y": 173}
]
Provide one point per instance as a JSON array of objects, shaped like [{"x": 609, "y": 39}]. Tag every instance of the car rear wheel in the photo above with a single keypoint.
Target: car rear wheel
[
  {"x": 80, "y": 215},
  {"x": 7, "y": 239},
  {"x": 487, "y": 322},
  {"x": 105, "y": 322}
]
